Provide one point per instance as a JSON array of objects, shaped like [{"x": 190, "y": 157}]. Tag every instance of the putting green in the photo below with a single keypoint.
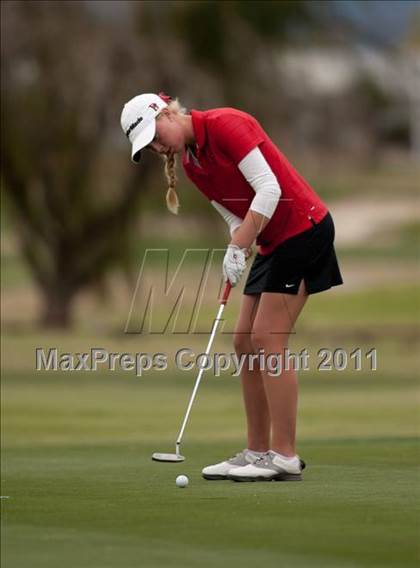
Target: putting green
[{"x": 83, "y": 490}]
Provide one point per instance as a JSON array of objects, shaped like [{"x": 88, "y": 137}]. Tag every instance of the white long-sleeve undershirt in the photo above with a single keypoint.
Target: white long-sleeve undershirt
[
  {"x": 232, "y": 220},
  {"x": 260, "y": 176}
]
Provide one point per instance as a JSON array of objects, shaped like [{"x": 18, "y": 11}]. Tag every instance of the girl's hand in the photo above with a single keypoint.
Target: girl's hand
[
  {"x": 248, "y": 253},
  {"x": 234, "y": 264}
]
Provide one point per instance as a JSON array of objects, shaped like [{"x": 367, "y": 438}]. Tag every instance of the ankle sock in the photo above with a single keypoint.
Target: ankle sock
[
  {"x": 286, "y": 458},
  {"x": 255, "y": 453}
]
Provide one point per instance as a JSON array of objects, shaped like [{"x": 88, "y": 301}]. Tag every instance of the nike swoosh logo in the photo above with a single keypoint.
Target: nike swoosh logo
[{"x": 289, "y": 285}]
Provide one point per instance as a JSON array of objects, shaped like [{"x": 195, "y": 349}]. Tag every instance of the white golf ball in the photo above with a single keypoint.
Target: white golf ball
[{"x": 182, "y": 481}]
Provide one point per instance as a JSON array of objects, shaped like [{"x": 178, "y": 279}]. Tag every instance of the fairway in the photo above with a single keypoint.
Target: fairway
[{"x": 83, "y": 490}]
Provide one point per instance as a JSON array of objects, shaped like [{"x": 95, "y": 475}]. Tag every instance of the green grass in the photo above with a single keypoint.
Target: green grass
[
  {"x": 378, "y": 180},
  {"x": 400, "y": 243},
  {"x": 14, "y": 272},
  {"x": 385, "y": 311},
  {"x": 83, "y": 490},
  {"x": 111, "y": 506},
  {"x": 377, "y": 306}
]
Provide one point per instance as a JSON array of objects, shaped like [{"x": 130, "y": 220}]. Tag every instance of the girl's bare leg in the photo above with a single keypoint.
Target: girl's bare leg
[
  {"x": 255, "y": 401},
  {"x": 275, "y": 319}
]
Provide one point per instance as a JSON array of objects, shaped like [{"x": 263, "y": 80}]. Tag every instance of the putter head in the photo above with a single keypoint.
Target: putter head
[{"x": 167, "y": 457}]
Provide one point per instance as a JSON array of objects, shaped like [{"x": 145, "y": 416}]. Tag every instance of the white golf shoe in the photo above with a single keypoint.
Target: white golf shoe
[
  {"x": 222, "y": 469},
  {"x": 270, "y": 467}
]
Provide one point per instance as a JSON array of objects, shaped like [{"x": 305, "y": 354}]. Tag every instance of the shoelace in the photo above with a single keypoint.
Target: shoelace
[
  {"x": 238, "y": 455},
  {"x": 263, "y": 460}
]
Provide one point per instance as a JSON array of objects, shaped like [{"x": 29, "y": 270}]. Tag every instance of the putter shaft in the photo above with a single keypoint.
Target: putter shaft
[{"x": 223, "y": 302}]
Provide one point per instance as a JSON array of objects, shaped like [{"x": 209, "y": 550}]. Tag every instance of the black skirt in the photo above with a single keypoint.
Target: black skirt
[{"x": 308, "y": 256}]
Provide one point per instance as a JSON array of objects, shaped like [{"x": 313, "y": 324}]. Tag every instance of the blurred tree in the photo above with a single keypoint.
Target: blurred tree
[
  {"x": 232, "y": 46},
  {"x": 63, "y": 78},
  {"x": 210, "y": 28},
  {"x": 410, "y": 64}
]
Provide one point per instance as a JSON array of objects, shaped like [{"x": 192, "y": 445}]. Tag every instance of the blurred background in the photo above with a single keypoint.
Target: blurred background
[{"x": 335, "y": 84}]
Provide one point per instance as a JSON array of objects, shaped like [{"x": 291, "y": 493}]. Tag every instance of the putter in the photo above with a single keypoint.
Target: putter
[{"x": 177, "y": 457}]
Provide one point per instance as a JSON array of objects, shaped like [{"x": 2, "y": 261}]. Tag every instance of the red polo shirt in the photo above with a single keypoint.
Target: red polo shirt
[{"x": 224, "y": 136}]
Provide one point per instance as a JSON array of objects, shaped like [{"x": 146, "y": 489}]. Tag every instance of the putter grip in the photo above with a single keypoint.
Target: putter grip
[{"x": 226, "y": 292}]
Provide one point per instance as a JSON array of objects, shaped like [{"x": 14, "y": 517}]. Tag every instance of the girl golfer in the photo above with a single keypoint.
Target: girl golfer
[{"x": 230, "y": 158}]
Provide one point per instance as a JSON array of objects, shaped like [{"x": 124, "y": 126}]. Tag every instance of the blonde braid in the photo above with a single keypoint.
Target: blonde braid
[{"x": 172, "y": 200}]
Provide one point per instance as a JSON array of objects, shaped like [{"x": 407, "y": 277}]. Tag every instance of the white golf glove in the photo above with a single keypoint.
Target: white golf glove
[{"x": 234, "y": 263}]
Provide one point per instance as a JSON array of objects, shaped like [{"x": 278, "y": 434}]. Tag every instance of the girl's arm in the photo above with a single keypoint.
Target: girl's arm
[
  {"x": 232, "y": 220},
  {"x": 260, "y": 176},
  {"x": 249, "y": 229}
]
